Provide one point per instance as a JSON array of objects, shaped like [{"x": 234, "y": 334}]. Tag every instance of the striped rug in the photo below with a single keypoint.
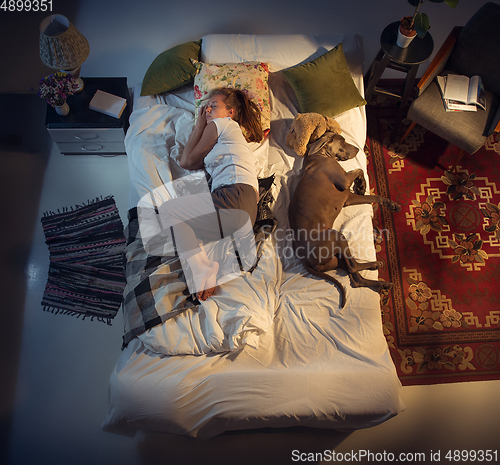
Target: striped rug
[{"x": 86, "y": 273}]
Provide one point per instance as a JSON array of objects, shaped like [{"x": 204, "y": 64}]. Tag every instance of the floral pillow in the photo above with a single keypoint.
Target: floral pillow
[{"x": 250, "y": 77}]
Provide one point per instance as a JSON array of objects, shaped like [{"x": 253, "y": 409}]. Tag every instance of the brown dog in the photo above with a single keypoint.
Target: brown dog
[{"x": 322, "y": 192}]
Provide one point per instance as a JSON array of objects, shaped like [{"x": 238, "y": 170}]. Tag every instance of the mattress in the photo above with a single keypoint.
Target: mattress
[{"x": 273, "y": 348}]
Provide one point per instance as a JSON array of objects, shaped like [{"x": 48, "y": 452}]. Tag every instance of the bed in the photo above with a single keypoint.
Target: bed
[{"x": 272, "y": 348}]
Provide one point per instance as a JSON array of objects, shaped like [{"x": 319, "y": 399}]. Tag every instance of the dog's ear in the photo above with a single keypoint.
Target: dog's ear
[{"x": 315, "y": 147}]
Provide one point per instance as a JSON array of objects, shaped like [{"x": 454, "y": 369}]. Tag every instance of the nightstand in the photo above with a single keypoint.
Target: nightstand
[{"x": 87, "y": 132}]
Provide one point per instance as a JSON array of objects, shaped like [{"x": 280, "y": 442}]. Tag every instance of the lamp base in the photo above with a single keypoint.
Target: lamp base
[
  {"x": 78, "y": 80},
  {"x": 79, "y": 85}
]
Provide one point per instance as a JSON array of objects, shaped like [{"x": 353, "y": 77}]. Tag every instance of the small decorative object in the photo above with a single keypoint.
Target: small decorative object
[
  {"x": 56, "y": 88},
  {"x": 418, "y": 24},
  {"x": 62, "y": 46}
]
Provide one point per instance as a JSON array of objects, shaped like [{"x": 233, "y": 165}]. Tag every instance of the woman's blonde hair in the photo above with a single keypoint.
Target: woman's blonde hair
[{"x": 246, "y": 112}]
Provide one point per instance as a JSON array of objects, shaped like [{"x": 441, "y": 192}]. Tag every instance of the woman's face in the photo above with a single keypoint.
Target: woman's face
[{"x": 217, "y": 108}]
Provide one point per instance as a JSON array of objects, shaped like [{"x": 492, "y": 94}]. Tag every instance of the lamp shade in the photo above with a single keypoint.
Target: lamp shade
[{"x": 62, "y": 46}]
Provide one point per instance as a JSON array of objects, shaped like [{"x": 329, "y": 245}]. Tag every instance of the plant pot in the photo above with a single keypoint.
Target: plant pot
[
  {"x": 63, "y": 109},
  {"x": 405, "y": 33}
]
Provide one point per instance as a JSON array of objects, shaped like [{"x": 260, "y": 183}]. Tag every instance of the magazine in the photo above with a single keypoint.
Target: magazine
[{"x": 461, "y": 93}]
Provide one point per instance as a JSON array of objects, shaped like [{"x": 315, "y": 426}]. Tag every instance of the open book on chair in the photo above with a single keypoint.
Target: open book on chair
[{"x": 461, "y": 93}]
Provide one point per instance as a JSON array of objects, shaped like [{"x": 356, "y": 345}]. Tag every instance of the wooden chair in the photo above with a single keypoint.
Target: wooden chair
[{"x": 470, "y": 50}]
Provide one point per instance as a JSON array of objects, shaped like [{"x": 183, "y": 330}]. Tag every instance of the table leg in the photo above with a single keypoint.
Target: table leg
[
  {"x": 407, "y": 88},
  {"x": 369, "y": 73},
  {"x": 377, "y": 73}
]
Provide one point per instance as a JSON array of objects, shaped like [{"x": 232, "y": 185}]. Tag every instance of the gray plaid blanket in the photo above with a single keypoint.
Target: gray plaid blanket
[
  {"x": 151, "y": 280},
  {"x": 156, "y": 288}
]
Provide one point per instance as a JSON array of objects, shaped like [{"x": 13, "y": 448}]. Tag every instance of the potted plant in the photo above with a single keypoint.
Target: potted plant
[
  {"x": 418, "y": 24},
  {"x": 56, "y": 88}
]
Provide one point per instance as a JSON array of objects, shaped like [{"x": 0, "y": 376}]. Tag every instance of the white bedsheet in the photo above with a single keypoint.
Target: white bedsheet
[{"x": 272, "y": 348}]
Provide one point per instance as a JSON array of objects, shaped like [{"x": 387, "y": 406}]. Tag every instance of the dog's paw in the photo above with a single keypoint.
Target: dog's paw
[
  {"x": 360, "y": 185},
  {"x": 395, "y": 207},
  {"x": 373, "y": 265},
  {"x": 385, "y": 285},
  {"x": 392, "y": 206}
]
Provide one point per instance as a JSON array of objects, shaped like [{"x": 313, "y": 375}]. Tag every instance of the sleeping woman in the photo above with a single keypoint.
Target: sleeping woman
[{"x": 217, "y": 144}]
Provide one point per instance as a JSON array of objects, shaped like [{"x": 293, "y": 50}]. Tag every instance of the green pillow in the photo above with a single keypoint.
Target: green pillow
[
  {"x": 171, "y": 69},
  {"x": 325, "y": 84}
]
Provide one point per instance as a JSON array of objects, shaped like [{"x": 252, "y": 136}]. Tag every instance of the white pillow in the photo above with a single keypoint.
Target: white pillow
[{"x": 280, "y": 51}]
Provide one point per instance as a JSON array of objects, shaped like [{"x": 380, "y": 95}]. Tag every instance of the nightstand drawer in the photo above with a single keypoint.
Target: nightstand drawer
[
  {"x": 91, "y": 147},
  {"x": 81, "y": 136}
]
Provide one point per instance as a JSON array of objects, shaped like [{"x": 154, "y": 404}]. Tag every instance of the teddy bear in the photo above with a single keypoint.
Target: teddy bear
[{"x": 309, "y": 127}]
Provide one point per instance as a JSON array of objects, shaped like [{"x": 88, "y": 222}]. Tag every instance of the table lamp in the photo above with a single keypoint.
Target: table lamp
[{"x": 62, "y": 46}]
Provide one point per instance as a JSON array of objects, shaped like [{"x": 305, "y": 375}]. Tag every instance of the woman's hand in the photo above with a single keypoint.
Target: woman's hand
[
  {"x": 201, "y": 122},
  {"x": 200, "y": 142}
]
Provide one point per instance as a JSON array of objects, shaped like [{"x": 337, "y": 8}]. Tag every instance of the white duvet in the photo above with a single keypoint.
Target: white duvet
[
  {"x": 243, "y": 308},
  {"x": 272, "y": 348}
]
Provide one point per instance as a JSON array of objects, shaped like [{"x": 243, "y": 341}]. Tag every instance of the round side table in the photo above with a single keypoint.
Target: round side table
[{"x": 406, "y": 60}]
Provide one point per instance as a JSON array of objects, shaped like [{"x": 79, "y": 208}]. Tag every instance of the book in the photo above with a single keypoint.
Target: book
[
  {"x": 461, "y": 93},
  {"x": 109, "y": 104}
]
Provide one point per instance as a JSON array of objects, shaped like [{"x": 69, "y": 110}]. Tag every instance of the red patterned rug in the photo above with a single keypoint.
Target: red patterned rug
[{"x": 442, "y": 251}]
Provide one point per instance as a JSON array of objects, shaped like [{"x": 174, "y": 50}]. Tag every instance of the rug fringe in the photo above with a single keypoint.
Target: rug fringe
[
  {"x": 62, "y": 311},
  {"x": 77, "y": 206}
]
